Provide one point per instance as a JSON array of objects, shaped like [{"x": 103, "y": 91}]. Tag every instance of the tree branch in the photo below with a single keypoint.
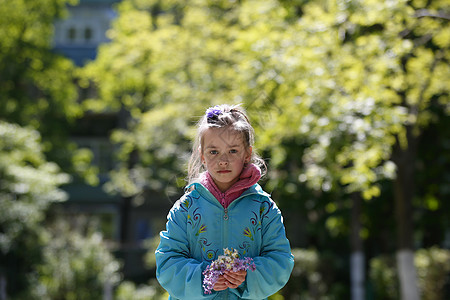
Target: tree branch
[{"x": 426, "y": 13}]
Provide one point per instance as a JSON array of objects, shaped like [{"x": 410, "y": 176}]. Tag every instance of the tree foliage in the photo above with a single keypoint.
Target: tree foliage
[
  {"x": 347, "y": 77},
  {"x": 38, "y": 106},
  {"x": 29, "y": 184},
  {"x": 433, "y": 266},
  {"x": 76, "y": 264},
  {"x": 337, "y": 91},
  {"x": 38, "y": 87}
]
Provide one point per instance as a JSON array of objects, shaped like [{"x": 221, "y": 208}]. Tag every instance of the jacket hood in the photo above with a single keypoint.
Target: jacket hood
[{"x": 203, "y": 191}]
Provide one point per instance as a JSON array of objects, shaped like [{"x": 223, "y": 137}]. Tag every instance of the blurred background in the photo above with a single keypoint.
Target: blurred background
[{"x": 349, "y": 100}]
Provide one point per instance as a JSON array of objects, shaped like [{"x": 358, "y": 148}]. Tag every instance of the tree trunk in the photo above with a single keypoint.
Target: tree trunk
[
  {"x": 2, "y": 287},
  {"x": 125, "y": 208},
  {"x": 124, "y": 119},
  {"x": 403, "y": 194},
  {"x": 357, "y": 257}
]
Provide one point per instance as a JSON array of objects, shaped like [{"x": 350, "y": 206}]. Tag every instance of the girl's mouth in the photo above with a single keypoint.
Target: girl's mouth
[{"x": 223, "y": 171}]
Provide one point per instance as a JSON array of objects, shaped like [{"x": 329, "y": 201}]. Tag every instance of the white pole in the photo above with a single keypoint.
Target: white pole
[
  {"x": 357, "y": 275},
  {"x": 107, "y": 291},
  {"x": 407, "y": 275}
]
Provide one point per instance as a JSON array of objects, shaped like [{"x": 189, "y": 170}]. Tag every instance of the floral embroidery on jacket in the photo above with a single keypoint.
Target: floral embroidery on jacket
[
  {"x": 255, "y": 226},
  {"x": 244, "y": 247},
  {"x": 193, "y": 218},
  {"x": 248, "y": 233},
  {"x": 208, "y": 255},
  {"x": 201, "y": 229}
]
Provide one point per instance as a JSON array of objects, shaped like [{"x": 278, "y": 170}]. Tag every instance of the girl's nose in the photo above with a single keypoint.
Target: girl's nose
[{"x": 223, "y": 161}]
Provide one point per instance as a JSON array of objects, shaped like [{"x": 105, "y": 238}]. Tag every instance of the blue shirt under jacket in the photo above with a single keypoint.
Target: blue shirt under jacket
[{"x": 199, "y": 228}]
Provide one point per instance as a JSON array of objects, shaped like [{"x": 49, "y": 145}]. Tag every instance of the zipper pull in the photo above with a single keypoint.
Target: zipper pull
[{"x": 225, "y": 216}]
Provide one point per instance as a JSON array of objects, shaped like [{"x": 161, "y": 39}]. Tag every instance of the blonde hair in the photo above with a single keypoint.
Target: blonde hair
[{"x": 222, "y": 116}]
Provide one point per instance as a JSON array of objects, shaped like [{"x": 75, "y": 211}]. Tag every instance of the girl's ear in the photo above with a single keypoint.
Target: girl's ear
[{"x": 248, "y": 156}]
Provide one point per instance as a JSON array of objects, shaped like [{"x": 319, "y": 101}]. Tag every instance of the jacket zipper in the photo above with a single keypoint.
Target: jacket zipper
[
  {"x": 225, "y": 230},
  {"x": 225, "y": 210}
]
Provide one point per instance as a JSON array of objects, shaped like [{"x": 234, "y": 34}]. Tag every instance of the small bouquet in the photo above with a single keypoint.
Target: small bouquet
[{"x": 230, "y": 261}]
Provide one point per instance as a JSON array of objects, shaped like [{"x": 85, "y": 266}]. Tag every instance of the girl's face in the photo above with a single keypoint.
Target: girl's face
[{"x": 223, "y": 153}]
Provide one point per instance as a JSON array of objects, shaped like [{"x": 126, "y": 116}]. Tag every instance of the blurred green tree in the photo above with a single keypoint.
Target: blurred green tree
[
  {"x": 38, "y": 87},
  {"x": 76, "y": 263},
  {"x": 368, "y": 76},
  {"x": 38, "y": 106},
  {"x": 28, "y": 185}
]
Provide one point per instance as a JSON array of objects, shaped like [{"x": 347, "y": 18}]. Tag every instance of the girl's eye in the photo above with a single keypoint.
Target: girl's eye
[
  {"x": 233, "y": 151},
  {"x": 213, "y": 152}
]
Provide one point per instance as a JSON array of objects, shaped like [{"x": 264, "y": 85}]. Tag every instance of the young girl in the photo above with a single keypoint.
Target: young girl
[{"x": 224, "y": 207}]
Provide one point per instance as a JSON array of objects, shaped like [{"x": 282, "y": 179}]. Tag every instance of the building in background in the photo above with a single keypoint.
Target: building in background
[{"x": 79, "y": 35}]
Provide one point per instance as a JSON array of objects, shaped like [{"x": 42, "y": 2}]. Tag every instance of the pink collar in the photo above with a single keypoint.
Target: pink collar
[{"x": 249, "y": 176}]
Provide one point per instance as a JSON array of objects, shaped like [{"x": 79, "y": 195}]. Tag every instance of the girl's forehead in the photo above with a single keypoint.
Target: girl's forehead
[{"x": 222, "y": 137}]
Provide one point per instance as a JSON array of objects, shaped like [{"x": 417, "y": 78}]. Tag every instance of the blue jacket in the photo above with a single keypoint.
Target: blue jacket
[{"x": 197, "y": 230}]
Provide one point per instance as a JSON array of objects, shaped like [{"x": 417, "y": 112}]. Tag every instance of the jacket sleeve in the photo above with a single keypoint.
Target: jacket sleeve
[
  {"x": 178, "y": 273},
  {"x": 275, "y": 263}
]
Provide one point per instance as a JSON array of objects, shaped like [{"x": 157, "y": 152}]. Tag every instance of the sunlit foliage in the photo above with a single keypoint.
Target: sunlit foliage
[
  {"x": 38, "y": 87},
  {"x": 38, "y": 106},
  {"x": 345, "y": 76},
  {"x": 28, "y": 185},
  {"x": 76, "y": 264}
]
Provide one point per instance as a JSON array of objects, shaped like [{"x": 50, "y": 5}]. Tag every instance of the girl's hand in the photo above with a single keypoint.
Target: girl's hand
[
  {"x": 221, "y": 284},
  {"x": 234, "y": 279},
  {"x": 230, "y": 280}
]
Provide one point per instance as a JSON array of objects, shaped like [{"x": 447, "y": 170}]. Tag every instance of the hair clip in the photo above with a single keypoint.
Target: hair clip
[{"x": 213, "y": 112}]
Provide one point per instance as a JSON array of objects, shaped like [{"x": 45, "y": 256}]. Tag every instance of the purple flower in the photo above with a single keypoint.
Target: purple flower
[
  {"x": 228, "y": 262},
  {"x": 213, "y": 112}
]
